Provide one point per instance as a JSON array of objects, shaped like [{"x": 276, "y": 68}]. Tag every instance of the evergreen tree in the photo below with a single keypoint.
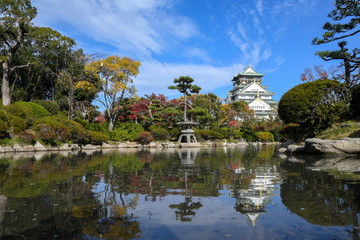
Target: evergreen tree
[
  {"x": 346, "y": 17},
  {"x": 183, "y": 84}
]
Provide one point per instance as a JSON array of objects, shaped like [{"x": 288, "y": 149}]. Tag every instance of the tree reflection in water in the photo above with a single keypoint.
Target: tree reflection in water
[
  {"x": 111, "y": 195},
  {"x": 187, "y": 209}
]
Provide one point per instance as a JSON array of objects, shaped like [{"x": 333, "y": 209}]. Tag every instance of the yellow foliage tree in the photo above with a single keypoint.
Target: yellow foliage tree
[{"x": 116, "y": 79}]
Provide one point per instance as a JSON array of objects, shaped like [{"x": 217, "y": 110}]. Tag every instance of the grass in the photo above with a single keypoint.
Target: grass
[{"x": 340, "y": 130}]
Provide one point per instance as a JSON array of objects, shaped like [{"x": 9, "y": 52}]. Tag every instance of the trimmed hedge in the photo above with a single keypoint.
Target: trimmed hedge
[
  {"x": 17, "y": 124},
  {"x": 265, "y": 136},
  {"x": 51, "y": 106},
  {"x": 145, "y": 137},
  {"x": 51, "y": 131},
  {"x": 159, "y": 132},
  {"x": 59, "y": 125},
  {"x": 98, "y": 137},
  {"x": 28, "y": 111},
  {"x": 126, "y": 132}
]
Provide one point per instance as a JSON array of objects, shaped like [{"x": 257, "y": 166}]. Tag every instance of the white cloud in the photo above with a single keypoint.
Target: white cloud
[
  {"x": 142, "y": 26},
  {"x": 197, "y": 53},
  {"x": 156, "y": 77}
]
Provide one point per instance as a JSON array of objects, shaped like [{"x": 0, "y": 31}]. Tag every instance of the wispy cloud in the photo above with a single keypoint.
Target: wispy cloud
[
  {"x": 255, "y": 25},
  {"x": 155, "y": 76},
  {"x": 142, "y": 26}
]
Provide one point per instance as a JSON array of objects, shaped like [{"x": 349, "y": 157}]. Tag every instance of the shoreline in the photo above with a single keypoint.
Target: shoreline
[{"x": 38, "y": 147}]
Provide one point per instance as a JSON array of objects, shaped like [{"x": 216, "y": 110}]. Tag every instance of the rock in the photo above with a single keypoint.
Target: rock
[
  {"x": 122, "y": 145},
  {"x": 339, "y": 164},
  {"x": 89, "y": 147},
  {"x": 8, "y": 149},
  {"x": 341, "y": 146},
  {"x": 189, "y": 145},
  {"x": 65, "y": 147},
  {"x": 287, "y": 143},
  {"x": 2, "y": 149},
  {"x": 105, "y": 145},
  {"x": 171, "y": 145},
  {"x": 39, "y": 147},
  {"x": 152, "y": 145},
  {"x": 294, "y": 149},
  {"x": 18, "y": 148},
  {"x": 29, "y": 148},
  {"x": 282, "y": 150},
  {"x": 75, "y": 147},
  {"x": 132, "y": 145}
]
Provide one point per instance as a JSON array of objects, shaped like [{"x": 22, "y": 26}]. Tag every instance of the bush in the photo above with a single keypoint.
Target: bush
[
  {"x": 28, "y": 111},
  {"x": 126, "y": 132},
  {"x": 51, "y": 131},
  {"x": 159, "y": 132},
  {"x": 207, "y": 134},
  {"x": 3, "y": 129},
  {"x": 276, "y": 132},
  {"x": 314, "y": 105},
  {"x": 145, "y": 138},
  {"x": 98, "y": 137},
  {"x": 51, "y": 106},
  {"x": 2, "y": 115},
  {"x": 265, "y": 136},
  {"x": 290, "y": 131},
  {"x": 27, "y": 137},
  {"x": 67, "y": 130},
  {"x": 83, "y": 123},
  {"x": 17, "y": 124}
]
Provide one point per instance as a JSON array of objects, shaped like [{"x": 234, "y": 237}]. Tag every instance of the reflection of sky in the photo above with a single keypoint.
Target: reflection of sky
[{"x": 216, "y": 219}]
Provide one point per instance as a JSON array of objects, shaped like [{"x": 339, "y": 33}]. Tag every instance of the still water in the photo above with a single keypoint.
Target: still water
[{"x": 215, "y": 193}]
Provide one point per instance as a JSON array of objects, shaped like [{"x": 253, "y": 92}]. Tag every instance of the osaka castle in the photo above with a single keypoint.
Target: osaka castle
[{"x": 248, "y": 88}]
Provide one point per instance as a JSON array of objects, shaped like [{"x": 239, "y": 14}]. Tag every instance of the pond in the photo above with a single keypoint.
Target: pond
[{"x": 240, "y": 192}]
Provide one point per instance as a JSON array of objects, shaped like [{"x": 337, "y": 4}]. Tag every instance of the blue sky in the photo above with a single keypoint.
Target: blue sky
[{"x": 209, "y": 40}]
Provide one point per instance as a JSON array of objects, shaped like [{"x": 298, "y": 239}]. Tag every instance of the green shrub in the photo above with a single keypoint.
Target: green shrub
[
  {"x": 74, "y": 131},
  {"x": 83, "y": 123},
  {"x": 3, "y": 129},
  {"x": 28, "y": 111},
  {"x": 265, "y": 136},
  {"x": 315, "y": 106},
  {"x": 98, "y": 137},
  {"x": 290, "y": 131},
  {"x": 51, "y": 106},
  {"x": 145, "y": 137},
  {"x": 126, "y": 132},
  {"x": 27, "y": 137},
  {"x": 17, "y": 124},
  {"x": 206, "y": 134},
  {"x": 51, "y": 131},
  {"x": 159, "y": 132},
  {"x": 2, "y": 115},
  {"x": 276, "y": 132}
]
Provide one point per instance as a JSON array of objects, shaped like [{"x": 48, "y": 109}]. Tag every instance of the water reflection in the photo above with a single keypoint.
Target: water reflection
[{"x": 207, "y": 193}]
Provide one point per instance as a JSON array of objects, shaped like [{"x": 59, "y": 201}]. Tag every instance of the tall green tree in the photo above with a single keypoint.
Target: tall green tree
[
  {"x": 185, "y": 86},
  {"x": 49, "y": 53},
  {"x": 116, "y": 76},
  {"x": 346, "y": 19},
  {"x": 15, "y": 22}
]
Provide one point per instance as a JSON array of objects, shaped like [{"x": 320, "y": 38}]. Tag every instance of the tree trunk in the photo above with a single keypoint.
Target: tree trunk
[
  {"x": 111, "y": 125},
  {"x": 185, "y": 108},
  {"x": 5, "y": 89}
]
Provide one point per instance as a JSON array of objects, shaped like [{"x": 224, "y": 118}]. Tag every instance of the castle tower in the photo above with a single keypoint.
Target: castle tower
[{"x": 247, "y": 87}]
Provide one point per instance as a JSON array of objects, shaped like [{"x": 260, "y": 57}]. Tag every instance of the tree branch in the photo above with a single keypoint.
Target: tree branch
[{"x": 20, "y": 66}]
